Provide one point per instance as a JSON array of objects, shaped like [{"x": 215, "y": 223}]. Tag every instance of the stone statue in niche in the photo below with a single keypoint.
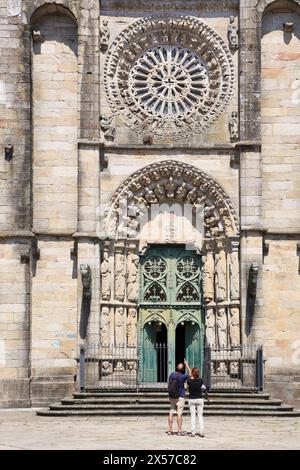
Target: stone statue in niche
[
  {"x": 104, "y": 35},
  {"x": 233, "y": 35},
  {"x": 234, "y": 276},
  {"x": 208, "y": 277},
  {"x": 107, "y": 127},
  {"x": 234, "y": 327},
  {"x": 105, "y": 277},
  {"x": 210, "y": 322},
  {"x": 234, "y": 126},
  {"x": 221, "y": 276},
  {"x": 131, "y": 328},
  {"x": 120, "y": 326},
  {"x": 132, "y": 277},
  {"x": 222, "y": 328},
  {"x": 120, "y": 277},
  {"x": 105, "y": 327}
]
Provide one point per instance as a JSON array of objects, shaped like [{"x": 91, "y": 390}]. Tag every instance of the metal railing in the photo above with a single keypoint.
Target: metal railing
[
  {"x": 240, "y": 368},
  {"x": 108, "y": 367},
  {"x": 224, "y": 369}
]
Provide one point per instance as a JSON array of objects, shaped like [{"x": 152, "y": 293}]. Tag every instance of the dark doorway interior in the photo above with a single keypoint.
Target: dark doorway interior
[
  {"x": 162, "y": 353},
  {"x": 180, "y": 344}
]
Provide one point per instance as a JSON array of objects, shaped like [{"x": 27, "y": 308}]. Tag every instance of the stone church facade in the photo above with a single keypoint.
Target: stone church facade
[{"x": 149, "y": 181}]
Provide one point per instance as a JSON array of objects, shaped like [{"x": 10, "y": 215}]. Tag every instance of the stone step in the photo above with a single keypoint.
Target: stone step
[
  {"x": 231, "y": 413},
  {"x": 164, "y": 400},
  {"x": 165, "y": 407},
  {"x": 111, "y": 394}
]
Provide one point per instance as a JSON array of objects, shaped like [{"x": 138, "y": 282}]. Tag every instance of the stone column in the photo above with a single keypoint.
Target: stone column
[{"x": 234, "y": 271}]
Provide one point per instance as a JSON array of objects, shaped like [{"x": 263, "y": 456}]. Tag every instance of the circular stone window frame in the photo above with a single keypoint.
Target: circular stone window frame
[{"x": 183, "y": 31}]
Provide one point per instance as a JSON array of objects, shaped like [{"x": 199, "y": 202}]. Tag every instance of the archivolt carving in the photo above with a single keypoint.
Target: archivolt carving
[
  {"x": 172, "y": 182},
  {"x": 169, "y": 76}
]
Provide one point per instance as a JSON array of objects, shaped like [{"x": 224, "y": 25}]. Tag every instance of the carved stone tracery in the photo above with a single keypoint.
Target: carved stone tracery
[{"x": 169, "y": 76}]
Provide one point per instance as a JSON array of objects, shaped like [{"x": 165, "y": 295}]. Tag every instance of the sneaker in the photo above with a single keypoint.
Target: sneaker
[
  {"x": 201, "y": 435},
  {"x": 170, "y": 433},
  {"x": 192, "y": 434}
]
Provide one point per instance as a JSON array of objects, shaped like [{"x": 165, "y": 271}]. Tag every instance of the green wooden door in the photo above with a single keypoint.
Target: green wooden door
[
  {"x": 193, "y": 345},
  {"x": 170, "y": 291},
  {"x": 149, "y": 354}
]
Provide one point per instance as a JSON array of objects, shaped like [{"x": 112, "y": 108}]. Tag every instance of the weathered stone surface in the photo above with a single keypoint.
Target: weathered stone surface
[{"x": 78, "y": 144}]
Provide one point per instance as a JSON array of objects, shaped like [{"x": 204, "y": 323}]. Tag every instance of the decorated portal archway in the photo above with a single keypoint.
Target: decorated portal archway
[
  {"x": 149, "y": 209},
  {"x": 170, "y": 295}
]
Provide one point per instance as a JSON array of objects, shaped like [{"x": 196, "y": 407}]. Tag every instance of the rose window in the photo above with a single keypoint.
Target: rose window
[{"x": 169, "y": 81}]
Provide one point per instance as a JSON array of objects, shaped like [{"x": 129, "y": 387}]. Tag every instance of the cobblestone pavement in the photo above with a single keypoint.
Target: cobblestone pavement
[{"x": 23, "y": 429}]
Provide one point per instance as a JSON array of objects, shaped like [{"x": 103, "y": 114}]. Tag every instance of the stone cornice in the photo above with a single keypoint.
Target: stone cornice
[
  {"x": 167, "y": 5},
  {"x": 176, "y": 146}
]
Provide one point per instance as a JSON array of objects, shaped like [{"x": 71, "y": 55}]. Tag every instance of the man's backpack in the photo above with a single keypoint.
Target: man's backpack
[{"x": 174, "y": 387}]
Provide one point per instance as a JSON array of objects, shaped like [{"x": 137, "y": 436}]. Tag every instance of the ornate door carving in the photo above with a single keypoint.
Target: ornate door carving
[{"x": 171, "y": 293}]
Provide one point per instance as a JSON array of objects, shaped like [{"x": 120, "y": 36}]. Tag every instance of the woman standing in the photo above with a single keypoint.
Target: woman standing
[{"x": 196, "y": 401}]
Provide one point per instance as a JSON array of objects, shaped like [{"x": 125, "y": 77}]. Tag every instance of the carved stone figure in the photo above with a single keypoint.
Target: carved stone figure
[
  {"x": 105, "y": 327},
  {"x": 210, "y": 322},
  {"x": 150, "y": 196},
  {"x": 106, "y": 367},
  {"x": 131, "y": 366},
  {"x": 119, "y": 367},
  {"x": 107, "y": 127},
  {"x": 120, "y": 276},
  {"x": 221, "y": 276},
  {"x": 192, "y": 195},
  {"x": 234, "y": 276},
  {"x": 120, "y": 327},
  {"x": 208, "y": 277},
  {"x": 131, "y": 328},
  {"x": 86, "y": 279},
  {"x": 233, "y": 37},
  {"x": 234, "y": 126},
  {"x": 181, "y": 191},
  {"x": 105, "y": 277},
  {"x": 222, "y": 369},
  {"x": 170, "y": 188},
  {"x": 222, "y": 327},
  {"x": 234, "y": 327},
  {"x": 132, "y": 277},
  {"x": 159, "y": 191},
  {"x": 104, "y": 35},
  {"x": 86, "y": 299}
]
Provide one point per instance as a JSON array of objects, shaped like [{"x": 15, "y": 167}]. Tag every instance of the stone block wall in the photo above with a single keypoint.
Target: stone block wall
[
  {"x": 55, "y": 108},
  {"x": 56, "y": 187}
]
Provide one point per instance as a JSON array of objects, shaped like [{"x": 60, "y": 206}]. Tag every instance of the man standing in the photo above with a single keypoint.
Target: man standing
[{"x": 177, "y": 395}]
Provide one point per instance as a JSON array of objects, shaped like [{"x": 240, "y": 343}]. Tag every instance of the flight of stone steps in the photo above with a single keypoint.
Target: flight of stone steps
[{"x": 112, "y": 403}]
